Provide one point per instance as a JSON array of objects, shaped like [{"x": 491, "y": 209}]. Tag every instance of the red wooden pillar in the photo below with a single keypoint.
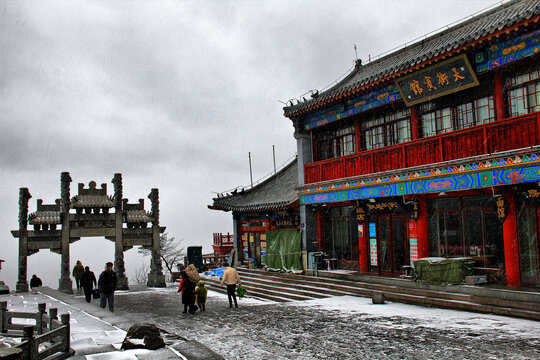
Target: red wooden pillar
[
  {"x": 415, "y": 123},
  {"x": 422, "y": 229},
  {"x": 320, "y": 228},
  {"x": 511, "y": 249},
  {"x": 363, "y": 249},
  {"x": 498, "y": 95},
  {"x": 357, "y": 136}
]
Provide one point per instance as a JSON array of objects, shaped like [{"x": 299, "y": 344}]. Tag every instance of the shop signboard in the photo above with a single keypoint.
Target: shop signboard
[
  {"x": 373, "y": 251},
  {"x": 373, "y": 243},
  {"x": 413, "y": 249},
  {"x": 412, "y": 229},
  {"x": 445, "y": 77}
]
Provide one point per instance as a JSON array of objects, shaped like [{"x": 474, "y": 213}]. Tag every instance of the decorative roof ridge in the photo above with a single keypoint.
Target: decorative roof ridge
[{"x": 525, "y": 11}]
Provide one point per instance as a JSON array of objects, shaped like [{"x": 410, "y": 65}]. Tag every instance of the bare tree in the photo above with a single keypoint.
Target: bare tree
[
  {"x": 141, "y": 273},
  {"x": 171, "y": 251}
]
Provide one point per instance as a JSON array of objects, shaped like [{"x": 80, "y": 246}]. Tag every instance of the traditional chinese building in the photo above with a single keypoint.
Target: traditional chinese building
[
  {"x": 430, "y": 151},
  {"x": 270, "y": 205}
]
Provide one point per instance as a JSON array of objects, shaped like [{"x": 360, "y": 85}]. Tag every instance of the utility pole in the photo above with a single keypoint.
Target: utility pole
[
  {"x": 274, "y": 153},
  {"x": 250, "y": 171}
]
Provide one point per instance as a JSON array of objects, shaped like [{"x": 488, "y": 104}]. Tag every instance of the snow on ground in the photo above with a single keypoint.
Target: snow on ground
[
  {"x": 338, "y": 327},
  {"x": 89, "y": 334},
  {"x": 343, "y": 327},
  {"x": 425, "y": 316}
]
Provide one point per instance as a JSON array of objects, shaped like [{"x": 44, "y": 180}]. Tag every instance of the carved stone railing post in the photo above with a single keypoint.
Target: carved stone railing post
[
  {"x": 65, "y": 283},
  {"x": 119, "y": 265},
  {"x": 155, "y": 277},
  {"x": 22, "y": 282}
]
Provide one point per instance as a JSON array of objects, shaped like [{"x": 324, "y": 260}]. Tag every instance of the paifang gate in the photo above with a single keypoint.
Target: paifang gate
[{"x": 88, "y": 214}]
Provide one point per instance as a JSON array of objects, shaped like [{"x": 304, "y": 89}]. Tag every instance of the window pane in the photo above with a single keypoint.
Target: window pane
[
  {"x": 445, "y": 120},
  {"x": 428, "y": 124},
  {"x": 534, "y": 96},
  {"x": 465, "y": 115},
  {"x": 518, "y": 101},
  {"x": 485, "y": 110}
]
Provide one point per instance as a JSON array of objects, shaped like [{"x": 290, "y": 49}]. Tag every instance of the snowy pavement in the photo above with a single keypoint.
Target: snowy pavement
[
  {"x": 91, "y": 337},
  {"x": 338, "y": 327}
]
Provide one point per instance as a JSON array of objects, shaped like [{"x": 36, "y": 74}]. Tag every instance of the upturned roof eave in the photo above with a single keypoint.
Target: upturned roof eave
[{"x": 344, "y": 89}]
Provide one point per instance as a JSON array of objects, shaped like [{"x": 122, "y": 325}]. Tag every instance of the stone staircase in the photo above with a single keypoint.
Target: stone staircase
[{"x": 287, "y": 287}]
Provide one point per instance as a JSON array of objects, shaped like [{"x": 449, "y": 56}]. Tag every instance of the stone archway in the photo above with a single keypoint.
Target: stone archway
[{"x": 88, "y": 214}]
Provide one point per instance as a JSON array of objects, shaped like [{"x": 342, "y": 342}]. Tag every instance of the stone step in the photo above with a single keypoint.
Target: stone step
[
  {"x": 450, "y": 300},
  {"x": 352, "y": 286},
  {"x": 254, "y": 292}
]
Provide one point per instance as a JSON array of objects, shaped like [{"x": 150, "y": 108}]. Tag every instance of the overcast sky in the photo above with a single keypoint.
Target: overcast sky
[{"x": 173, "y": 95}]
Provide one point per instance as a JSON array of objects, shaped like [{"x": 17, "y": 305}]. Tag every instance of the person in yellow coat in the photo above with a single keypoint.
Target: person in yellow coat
[{"x": 201, "y": 293}]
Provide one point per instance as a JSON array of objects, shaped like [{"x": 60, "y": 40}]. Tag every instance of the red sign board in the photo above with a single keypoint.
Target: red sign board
[{"x": 412, "y": 230}]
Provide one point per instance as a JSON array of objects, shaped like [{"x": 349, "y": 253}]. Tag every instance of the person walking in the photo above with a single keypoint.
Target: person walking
[
  {"x": 107, "y": 285},
  {"x": 78, "y": 270},
  {"x": 230, "y": 277},
  {"x": 201, "y": 292},
  {"x": 88, "y": 281},
  {"x": 35, "y": 282},
  {"x": 187, "y": 288}
]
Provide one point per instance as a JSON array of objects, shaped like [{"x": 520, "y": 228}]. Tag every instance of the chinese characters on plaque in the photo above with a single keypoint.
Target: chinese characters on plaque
[{"x": 446, "y": 77}]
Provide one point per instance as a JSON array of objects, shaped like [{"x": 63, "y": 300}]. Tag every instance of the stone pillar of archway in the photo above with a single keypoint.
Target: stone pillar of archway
[
  {"x": 119, "y": 266},
  {"x": 22, "y": 282},
  {"x": 65, "y": 283},
  {"x": 155, "y": 277}
]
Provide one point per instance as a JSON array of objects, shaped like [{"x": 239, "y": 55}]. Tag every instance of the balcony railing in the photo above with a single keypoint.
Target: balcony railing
[
  {"x": 513, "y": 133},
  {"x": 223, "y": 240}
]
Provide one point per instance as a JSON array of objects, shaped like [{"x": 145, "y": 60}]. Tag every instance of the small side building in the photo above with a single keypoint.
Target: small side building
[{"x": 270, "y": 205}]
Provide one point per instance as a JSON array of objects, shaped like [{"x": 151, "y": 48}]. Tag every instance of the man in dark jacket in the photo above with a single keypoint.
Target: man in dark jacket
[
  {"x": 107, "y": 285},
  {"x": 88, "y": 280},
  {"x": 187, "y": 288},
  {"x": 35, "y": 282}
]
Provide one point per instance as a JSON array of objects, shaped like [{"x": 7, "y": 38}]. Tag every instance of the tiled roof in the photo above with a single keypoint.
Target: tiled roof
[
  {"x": 461, "y": 34},
  {"x": 278, "y": 192},
  {"x": 138, "y": 216},
  {"x": 92, "y": 201},
  {"x": 44, "y": 217}
]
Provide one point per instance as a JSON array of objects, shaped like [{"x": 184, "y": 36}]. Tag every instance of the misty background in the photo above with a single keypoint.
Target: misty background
[{"x": 172, "y": 95}]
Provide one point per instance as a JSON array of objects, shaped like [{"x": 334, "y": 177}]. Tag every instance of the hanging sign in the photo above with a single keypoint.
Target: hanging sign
[
  {"x": 414, "y": 213},
  {"x": 449, "y": 76},
  {"x": 360, "y": 231},
  {"x": 372, "y": 230},
  {"x": 413, "y": 249},
  {"x": 360, "y": 214},
  {"x": 373, "y": 243},
  {"x": 413, "y": 240},
  {"x": 501, "y": 208},
  {"x": 412, "y": 229},
  {"x": 373, "y": 251}
]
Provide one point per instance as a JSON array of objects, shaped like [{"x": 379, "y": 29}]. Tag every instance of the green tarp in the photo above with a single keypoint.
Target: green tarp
[
  {"x": 283, "y": 249},
  {"x": 443, "y": 271}
]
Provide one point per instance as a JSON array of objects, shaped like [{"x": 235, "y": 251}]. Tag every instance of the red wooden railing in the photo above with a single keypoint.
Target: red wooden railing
[
  {"x": 223, "y": 240},
  {"x": 513, "y": 133}
]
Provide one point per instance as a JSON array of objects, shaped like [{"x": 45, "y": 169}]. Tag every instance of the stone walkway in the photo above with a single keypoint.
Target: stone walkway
[{"x": 338, "y": 327}]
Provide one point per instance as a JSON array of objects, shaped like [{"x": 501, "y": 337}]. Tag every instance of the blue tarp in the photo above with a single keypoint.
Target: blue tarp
[{"x": 216, "y": 272}]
